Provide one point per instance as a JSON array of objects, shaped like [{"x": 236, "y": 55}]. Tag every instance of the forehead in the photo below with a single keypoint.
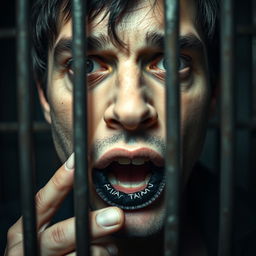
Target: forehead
[{"x": 144, "y": 18}]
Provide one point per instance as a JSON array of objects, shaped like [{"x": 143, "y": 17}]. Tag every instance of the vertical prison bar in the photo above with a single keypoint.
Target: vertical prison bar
[
  {"x": 80, "y": 128},
  {"x": 27, "y": 182},
  {"x": 172, "y": 103},
  {"x": 253, "y": 88},
  {"x": 227, "y": 128},
  {"x": 254, "y": 63}
]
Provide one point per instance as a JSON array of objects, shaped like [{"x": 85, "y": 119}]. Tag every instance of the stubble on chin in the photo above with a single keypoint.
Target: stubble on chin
[{"x": 143, "y": 225}]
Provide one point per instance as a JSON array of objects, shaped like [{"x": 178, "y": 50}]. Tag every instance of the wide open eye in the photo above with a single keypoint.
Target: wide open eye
[
  {"x": 157, "y": 67},
  {"x": 184, "y": 62},
  {"x": 92, "y": 66}
]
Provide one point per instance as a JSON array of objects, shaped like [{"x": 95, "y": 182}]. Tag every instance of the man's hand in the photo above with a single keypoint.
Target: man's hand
[{"x": 59, "y": 239}]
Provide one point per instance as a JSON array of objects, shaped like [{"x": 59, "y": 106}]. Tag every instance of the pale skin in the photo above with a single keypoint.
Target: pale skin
[{"x": 126, "y": 96}]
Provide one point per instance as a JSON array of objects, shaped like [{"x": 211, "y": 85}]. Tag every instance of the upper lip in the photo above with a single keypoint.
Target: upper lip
[{"x": 116, "y": 153}]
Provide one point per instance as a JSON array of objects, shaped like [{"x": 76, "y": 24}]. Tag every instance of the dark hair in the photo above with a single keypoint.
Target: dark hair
[{"x": 48, "y": 15}]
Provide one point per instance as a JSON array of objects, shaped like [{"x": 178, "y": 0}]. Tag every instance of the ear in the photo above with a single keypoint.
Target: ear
[{"x": 44, "y": 103}]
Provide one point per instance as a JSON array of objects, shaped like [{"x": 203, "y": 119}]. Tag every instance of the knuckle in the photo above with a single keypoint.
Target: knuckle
[
  {"x": 40, "y": 199},
  {"x": 10, "y": 234},
  {"x": 13, "y": 237},
  {"x": 59, "y": 179},
  {"x": 16, "y": 251},
  {"x": 58, "y": 235}
]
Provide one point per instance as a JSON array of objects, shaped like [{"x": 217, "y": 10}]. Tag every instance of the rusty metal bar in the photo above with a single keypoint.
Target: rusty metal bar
[
  {"x": 80, "y": 128},
  {"x": 27, "y": 182},
  {"x": 7, "y": 33},
  {"x": 172, "y": 157},
  {"x": 227, "y": 127}
]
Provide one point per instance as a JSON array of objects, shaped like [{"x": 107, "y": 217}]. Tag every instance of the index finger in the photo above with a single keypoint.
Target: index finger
[{"x": 49, "y": 198}]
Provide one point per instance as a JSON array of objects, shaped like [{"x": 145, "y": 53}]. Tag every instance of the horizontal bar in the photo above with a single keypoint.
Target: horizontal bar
[
  {"x": 9, "y": 127},
  {"x": 81, "y": 190},
  {"x": 246, "y": 30},
  {"x": 242, "y": 125},
  {"x": 27, "y": 182},
  {"x": 172, "y": 157},
  {"x": 7, "y": 33},
  {"x": 227, "y": 128}
]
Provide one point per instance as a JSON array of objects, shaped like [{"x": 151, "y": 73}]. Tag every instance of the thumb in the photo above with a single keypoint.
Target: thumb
[{"x": 106, "y": 221}]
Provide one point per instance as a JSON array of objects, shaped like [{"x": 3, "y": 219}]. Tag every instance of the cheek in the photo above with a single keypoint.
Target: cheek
[
  {"x": 194, "y": 115},
  {"x": 61, "y": 106},
  {"x": 95, "y": 111},
  {"x": 156, "y": 97},
  {"x": 99, "y": 99},
  {"x": 193, "y": 110},
  {"x": 60, "y": 101}
]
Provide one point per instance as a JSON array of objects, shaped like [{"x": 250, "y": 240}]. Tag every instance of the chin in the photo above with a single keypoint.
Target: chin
[{"x": 143, "y": 223}]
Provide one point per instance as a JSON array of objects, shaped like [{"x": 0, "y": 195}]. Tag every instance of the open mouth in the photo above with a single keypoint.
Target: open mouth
[{"x": 129, "y": 181}]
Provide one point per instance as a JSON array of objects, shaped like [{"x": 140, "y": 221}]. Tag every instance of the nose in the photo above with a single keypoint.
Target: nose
[{"x": 131, "y": 108}]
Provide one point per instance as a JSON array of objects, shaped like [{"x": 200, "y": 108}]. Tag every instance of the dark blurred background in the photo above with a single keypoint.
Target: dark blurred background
[{"x": 46, "y": 160}]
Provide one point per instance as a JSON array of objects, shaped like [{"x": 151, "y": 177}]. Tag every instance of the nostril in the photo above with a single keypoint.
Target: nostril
[
  {"x": 113, "y": 123},
  {"x": 148, "y": 121}
]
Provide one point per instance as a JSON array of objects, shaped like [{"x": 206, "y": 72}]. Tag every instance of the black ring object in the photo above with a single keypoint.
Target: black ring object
[{"x": 131, "y": 201}]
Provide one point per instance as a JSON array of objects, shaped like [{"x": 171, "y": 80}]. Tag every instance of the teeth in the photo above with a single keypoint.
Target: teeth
[
  {"x": 135, "y": 161},
  {"x": 124, "y": 160},
  {"x": 134, "y": 184},
  {"x": 138, "y": 161},
  {"x": 131, "y": 184},
  {"x": 113, "y": 181}
]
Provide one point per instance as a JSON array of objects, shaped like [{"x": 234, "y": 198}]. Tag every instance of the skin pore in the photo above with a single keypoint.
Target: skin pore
[{"x": 126, "y": 97}]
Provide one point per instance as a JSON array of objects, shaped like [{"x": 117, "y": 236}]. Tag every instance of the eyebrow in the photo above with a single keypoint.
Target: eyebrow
[
  {"x": 153, "y": 39},
  {"x": 189, "y": 41},
  {"x": 93, "y": 43}
]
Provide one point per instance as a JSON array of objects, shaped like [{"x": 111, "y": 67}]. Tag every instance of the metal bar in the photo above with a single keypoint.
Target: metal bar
[
  {"x": 227, "y": 128},
  {"x": 25, "y": 142},
  {"x": 253, "y": 100},
  {"x": 172, "y": 157},
  {"x": 246, "y": 125},
  {"x": 9, "y": 127},
  {"x": 80, "y": 128},
  {"x": 7, "y": 33}
]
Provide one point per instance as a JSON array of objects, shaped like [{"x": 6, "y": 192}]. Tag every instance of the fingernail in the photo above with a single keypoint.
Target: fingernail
[
  {"x": 70, "y": 163},
  {"x": 108, "y": 218},
  {"x": 112, "y": 250}
]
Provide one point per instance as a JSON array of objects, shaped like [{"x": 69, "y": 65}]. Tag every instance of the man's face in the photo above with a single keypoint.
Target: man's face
[{"x": 126, "y": 91}]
